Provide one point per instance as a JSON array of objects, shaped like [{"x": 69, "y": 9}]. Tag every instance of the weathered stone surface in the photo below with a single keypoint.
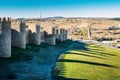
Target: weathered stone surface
[
  {"x": 5, "y": 37},
  {"x": 19, "y": 37},
  {"x": 50, "y": 40},
  {"x": 34, "y": 33},
  {"x": 60, "y": 33}
]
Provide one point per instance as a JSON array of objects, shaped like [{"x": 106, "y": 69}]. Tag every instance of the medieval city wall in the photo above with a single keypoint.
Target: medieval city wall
[
  {"x": 60, "y": 33},
  {"x": 33, "y": 33},
  {"x": 18, "y": 34},
  {"x": 51, "y": 39}
]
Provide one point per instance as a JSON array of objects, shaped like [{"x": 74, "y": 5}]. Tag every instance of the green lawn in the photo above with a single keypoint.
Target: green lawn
[{"x": 93, "y": 63}]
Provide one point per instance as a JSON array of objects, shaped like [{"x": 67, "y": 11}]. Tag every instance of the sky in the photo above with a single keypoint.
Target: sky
[{"x": 65, "y": 8}]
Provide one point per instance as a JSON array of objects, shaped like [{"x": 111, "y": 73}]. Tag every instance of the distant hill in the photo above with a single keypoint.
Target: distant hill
[
  {"x": 118, "y": 19},
  {"x": 20, "y": 19},
  {"x": 55, "y": 17}
]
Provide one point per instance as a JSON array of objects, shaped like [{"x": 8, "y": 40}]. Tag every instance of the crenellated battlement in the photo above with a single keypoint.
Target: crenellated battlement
[
  {"x": 4, "y": 19},
  {"x": 22, "y": 23}
]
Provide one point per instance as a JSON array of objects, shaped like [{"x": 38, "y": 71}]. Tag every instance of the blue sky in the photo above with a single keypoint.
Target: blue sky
[{"x": 66, "y": 8}]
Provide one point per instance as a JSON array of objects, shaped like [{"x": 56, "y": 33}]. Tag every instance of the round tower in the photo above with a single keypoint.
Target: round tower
[
  {"x": 23, "y": 35},
  {"x": 37, "y": 36},
  {"x": 5, "y": 41},
  {"x": 53, "y": 30}
]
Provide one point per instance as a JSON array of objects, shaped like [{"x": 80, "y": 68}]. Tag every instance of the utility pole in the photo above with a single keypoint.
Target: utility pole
[{"x": 41, "y": 15}]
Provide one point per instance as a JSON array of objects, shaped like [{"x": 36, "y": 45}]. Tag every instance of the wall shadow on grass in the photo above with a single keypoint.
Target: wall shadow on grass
[
  {"x": 81, "y": 49},
  {"x": 79, "y": 46},
  {"x": 86, "y": 55},
  {"x": 60, "y": 70},
  {"x": 97, "y": 53},
  {"x": 102, "y": 52},
  {"x": 87, "y": 62},
  {"x": 63, "y": 78}
]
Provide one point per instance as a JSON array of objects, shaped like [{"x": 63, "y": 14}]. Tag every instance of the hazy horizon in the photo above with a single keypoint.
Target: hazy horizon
[{"x": 51, "y": 8}]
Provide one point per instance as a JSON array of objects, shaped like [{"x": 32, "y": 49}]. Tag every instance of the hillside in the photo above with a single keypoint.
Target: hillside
[{"x": 99, "y": 28}]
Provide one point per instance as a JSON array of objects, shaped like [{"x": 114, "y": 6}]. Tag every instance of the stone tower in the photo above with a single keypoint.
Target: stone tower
[
  {"x": 38, "y": 36},
  {"x": 42, "y": 37},
  {"x": 34, "y": 35},
  {"x": 66, "y": 34},
  {"x": 53, "y": 31},
  {"x": 61, "y": 34},
  {"x": 5, "y": 37},
  {"x": 23, "y": 34}
]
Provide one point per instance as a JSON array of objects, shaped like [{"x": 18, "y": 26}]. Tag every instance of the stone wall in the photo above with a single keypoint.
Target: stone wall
[
  {"x": 19, "y": 35},
  {"x": 5, "y": 37},
  {"x": 60, "y": 33},
  {"x": 34, "y": 33},
  {"x": 50, "y": 40}
]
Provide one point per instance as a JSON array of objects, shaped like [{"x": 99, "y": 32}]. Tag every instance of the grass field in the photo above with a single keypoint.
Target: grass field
[{"x": 94, "y": 62}]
